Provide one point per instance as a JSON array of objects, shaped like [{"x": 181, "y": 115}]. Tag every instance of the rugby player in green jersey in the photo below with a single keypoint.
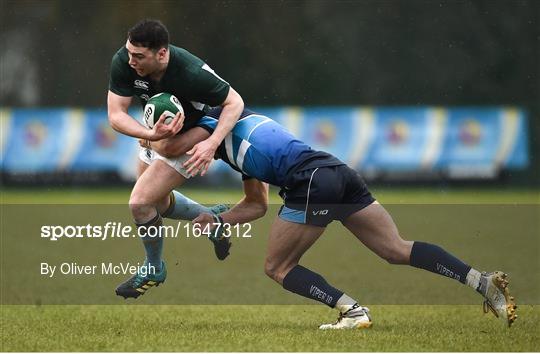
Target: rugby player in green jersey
[{"x": 144, "y": 66}]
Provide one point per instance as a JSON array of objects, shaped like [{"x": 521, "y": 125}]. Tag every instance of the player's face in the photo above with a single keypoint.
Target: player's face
[{"x": 143, "y": 60}]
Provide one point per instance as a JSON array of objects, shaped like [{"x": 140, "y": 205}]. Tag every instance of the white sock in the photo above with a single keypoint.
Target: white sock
[
  {"x": 345, "y": 302},
  {"x": 473, "y": 278}
]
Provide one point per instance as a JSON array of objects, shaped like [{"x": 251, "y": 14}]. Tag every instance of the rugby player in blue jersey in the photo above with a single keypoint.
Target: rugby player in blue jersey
[{"x": 317, "y": 188}]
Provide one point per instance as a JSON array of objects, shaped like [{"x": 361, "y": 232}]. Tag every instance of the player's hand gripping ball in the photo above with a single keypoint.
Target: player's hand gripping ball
[{"x": 159, "y": 104}]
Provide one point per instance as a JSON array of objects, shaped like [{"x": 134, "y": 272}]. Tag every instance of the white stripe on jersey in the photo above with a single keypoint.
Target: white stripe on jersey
[
  {"x": 197, "y": 105},
  {"x": 308, "y": 190},
  {"x": 244, "y": 146},
  {"x": 229, "y": 148},
  {"x": 210, "y": 70},
  {"x": 255, "y": 127}
]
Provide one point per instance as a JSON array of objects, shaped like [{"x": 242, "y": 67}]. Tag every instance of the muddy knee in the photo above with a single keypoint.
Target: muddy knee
[{"x": 141, "y": 209}]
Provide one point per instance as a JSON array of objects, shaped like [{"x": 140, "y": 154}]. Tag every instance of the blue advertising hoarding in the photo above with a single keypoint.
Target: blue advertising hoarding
[{"x": 456, "y": 142}]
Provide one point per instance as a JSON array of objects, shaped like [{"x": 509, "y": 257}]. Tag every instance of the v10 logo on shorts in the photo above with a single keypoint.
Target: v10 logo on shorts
[{"x": 320, "y": 212}]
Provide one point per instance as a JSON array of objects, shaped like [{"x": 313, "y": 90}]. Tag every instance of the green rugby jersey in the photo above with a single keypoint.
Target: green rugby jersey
[{"x": 187, "y": 77}]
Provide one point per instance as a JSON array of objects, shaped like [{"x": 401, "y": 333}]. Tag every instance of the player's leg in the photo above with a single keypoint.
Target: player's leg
[
  {"x": 152, "y": 186},
  {"x": 374, "y": 227},
  {"x": 309, "y": 201},
  {"x": 152, "y": 189},
  {"x": 287, "y": 243},
  {"x": 163, "y": 204},
  {"x": 146, "y": 156},
  {"x": 151, "y": 198},
  {"x": 176, "y": 205},
  {"x": 141, "y": 167},
  {"x": 179, "y": 207}
]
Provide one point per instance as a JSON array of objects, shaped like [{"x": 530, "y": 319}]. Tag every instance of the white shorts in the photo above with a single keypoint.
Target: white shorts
[{"x": 149, "y": 155}]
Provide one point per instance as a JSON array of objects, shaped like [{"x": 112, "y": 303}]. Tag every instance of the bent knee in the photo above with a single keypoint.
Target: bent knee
[
  {"x": 138, "y": 202},
  {"x": 135, "y": 201},
  {"x": 399, "y": 253},
  {"x": 276, "y": 271},
  {"x": 270, "y": 270}
]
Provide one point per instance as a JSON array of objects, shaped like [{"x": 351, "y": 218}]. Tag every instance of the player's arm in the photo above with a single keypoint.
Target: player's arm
[
  {"x": 203, "y": 152},
  {"x": 122, "y": 122},
  {"x": 179, "y": 144},
  {"x": 252, "y": 206},
  {"x": 232, "y": 108}
]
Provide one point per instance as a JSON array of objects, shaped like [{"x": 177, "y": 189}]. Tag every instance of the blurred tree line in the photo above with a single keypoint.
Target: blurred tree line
[{"x": 365, "y": 52}]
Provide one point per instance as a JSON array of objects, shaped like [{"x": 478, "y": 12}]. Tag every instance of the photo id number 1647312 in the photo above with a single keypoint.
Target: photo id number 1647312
[{"x": 228, "y": 230}]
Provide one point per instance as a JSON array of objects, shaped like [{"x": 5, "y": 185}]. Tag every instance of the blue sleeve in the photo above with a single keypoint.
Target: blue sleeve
[{"x": 208, "y": 123}]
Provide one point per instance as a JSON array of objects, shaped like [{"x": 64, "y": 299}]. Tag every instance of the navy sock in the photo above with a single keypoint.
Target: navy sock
[
  {"x": 152, "y": 245},
  {"x": 304, "y": 282},
  {"x": 434, "y": 259}
]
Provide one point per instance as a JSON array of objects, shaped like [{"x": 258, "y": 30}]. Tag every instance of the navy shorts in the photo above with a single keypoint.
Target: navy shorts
[{"x": 317, "y": 196}]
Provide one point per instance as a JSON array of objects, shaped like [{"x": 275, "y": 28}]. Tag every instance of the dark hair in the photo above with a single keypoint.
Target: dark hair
[{"x": 148, "y": 33}]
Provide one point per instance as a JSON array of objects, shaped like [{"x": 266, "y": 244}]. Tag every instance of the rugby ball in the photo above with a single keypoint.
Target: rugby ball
[{"x": 159, "y": 104}]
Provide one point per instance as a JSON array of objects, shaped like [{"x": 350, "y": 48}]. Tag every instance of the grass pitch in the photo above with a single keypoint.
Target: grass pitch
[
  {"x": 260, "y": 328},
  {"x": 174, "y": 327},
  {"x": 385, "y": 195}
]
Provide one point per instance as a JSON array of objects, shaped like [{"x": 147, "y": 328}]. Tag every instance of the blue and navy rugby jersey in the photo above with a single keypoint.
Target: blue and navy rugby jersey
[{"x": 259, "y": 147}]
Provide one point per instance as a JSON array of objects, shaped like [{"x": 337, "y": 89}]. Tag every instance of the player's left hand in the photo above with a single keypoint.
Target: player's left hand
[
  {"x": 162, "y": 130},
  {"x": 205, "y": 220},
  {"x": 203, "y": 154}
]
